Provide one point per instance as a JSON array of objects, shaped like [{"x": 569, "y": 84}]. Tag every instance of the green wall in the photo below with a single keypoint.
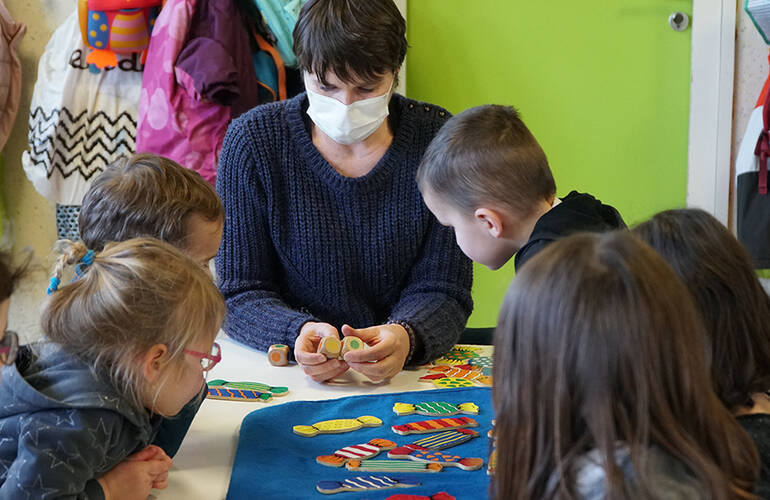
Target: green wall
[{"x": 604, "y": 86}]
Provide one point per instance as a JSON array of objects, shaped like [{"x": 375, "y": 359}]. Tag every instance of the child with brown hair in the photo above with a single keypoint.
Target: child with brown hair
[
  {"x": 718, "y": 272},
  {"x": 129, "y": 341},
  {"x": 602, "y": 387},
  {"x": 9, "y": 278},
  {"x": 485, "y": 175},
  {"x": 146, "y": 195}
]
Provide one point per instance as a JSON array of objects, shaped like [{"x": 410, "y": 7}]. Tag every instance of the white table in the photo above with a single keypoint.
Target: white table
[{"x": 203, "y": 465}]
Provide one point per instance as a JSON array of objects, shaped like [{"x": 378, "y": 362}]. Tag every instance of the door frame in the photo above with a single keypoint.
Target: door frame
[{"x": 711, "y": 106}]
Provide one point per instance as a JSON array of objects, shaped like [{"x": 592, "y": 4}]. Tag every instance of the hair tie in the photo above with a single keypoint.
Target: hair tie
[
  {"x": 85, "y": 261},
  {"x": 54, "y": 285}
]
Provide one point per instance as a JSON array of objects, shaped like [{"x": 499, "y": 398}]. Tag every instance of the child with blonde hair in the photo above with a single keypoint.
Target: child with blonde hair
[{"x": 128, "y": 342}]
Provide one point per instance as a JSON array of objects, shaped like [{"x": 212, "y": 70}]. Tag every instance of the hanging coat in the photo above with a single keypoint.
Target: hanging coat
[
  {"x": 199, "y": 75},
  {"x": 11, "y": 34}
]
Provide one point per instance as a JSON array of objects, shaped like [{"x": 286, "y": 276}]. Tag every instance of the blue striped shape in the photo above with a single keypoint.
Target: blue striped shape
[{"x": 443, "y": 440}]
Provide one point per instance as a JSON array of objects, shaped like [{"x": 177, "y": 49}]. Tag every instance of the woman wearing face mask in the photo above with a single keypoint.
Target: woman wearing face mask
[{"x": 326, "y": 234}]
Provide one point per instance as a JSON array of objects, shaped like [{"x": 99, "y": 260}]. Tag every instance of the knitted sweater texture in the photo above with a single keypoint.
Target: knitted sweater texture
[{"x": 304, "y": 243}]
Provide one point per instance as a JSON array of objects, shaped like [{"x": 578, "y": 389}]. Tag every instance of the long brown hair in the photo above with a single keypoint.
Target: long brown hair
[
  {"x": 735, "y": 309},
  {"x": 598, "y": 343}
]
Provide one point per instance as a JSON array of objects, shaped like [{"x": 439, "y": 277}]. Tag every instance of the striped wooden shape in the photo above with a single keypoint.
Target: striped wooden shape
[
  {"x": 253, "y": 386},
  {"x": 357, "y": 452},
  {"x": 364, "y": 483},
  {"x": 392, "y": 466},
  {"x": 232, "y": 394},
  {"x": 444, "y": 440},
  {"x": 435, "y": 425},
  {"x": 435, "y": 409},
  {"x": 424, "y": 455}
]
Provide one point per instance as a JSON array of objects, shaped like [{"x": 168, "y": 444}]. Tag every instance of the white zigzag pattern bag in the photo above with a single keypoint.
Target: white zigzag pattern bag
[{"x": 80, "y": 121}]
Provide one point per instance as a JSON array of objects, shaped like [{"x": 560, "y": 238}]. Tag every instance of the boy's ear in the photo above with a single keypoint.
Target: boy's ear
[
  {"x": 491, "y": 220},
  {"x": 153, "y": 361}
]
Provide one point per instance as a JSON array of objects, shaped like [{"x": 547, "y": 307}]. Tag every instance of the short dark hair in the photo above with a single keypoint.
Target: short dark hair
[
  {"x": 486, "y": 154},
  {"x": 719, "y": 274},
  {"x": 350, "y": 38},
  {"x": 145, "y": 195}
]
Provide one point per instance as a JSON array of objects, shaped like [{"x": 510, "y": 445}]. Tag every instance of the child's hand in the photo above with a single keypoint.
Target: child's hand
[
  {"x": 388, "y": 352},
  {"x": 316, "y": 365},
  {"x": 144, "y": 470}
]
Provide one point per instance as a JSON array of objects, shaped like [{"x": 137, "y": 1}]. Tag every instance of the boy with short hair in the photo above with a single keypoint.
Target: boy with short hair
[
  {"x": 485, "y": 175},
  {"x": 146, "y": 195}
]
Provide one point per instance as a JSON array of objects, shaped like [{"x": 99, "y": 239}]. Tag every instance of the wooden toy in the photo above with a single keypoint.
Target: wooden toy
[
  {"x": 419, "y": 454},
  {"x": 452, "y": 383},
  {"x": 337, "y": 426},
  {"x": 459, "y": 355},
  {"x": 392, "y": 466},
  {"x": 364, "y": 483},
  {"x": 482, "y": 361},
  {"x": 351, "y": 344},
  {"x": 330, "y": 347},
  {"x": 441, "y": 495},
  {"x": 447, "y": 439},
  {"x": 435, "y": 409},
  {"x": 254, "y": 386},
  {"x": 232, "y": 394},
  {"x": 357, "y": 452},
  {"x": 435, "y": 425},
  {"x": 492, "y": 462},
  {"x": 278, "y": 355},
  {"x": 475, "y": 374}
]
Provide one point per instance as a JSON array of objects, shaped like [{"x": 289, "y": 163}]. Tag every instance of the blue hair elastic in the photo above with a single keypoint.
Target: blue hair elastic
[
  {"x": 85, "y": 261},
  {"x": 54, "y": 285}
]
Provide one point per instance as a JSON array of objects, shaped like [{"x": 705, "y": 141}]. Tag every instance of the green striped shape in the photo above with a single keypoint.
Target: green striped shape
[
  {"x": 253, "y": 386},
  {"x": 390, "y": 466},
  {"x": 437, "y": 408}
]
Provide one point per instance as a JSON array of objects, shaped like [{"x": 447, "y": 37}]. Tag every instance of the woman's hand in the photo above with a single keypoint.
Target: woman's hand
[
  {"x": 389, "y": 347},
  {"x": 143, "y": 471},
  {"x": 316, "y": 365}
]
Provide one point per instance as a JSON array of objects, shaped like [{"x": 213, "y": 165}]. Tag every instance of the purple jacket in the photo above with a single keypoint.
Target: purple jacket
[{"x": 198, "y": 76}]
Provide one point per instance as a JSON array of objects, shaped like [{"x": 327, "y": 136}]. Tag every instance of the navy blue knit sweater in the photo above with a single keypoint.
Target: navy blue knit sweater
[{"x": 304, "y": 243}]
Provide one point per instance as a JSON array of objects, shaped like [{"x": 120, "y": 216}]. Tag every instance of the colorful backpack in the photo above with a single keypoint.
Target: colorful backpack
[
  {"x": 110, "y": 27},
  {"x": 281, "y": 16}
]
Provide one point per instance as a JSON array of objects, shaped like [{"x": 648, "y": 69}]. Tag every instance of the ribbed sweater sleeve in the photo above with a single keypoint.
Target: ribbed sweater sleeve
[
  {"x": 304, "y": 243},
  {"x": 246, "y": 263}
]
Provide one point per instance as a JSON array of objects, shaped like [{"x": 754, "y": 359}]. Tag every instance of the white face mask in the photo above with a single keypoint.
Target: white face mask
[{"x": 351, "y": 123}]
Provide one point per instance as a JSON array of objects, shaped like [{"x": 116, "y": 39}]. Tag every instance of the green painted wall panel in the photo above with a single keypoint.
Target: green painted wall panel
[{"x": 604, "y": 86}]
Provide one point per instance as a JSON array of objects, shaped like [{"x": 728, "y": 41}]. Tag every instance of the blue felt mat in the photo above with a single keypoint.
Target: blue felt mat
[{"x": 272, "y": 462}]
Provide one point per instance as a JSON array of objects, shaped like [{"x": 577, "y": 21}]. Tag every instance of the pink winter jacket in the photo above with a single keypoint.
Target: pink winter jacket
[
  {"x": 198, "y": 75},
  {"x": 11, "y": 33}
]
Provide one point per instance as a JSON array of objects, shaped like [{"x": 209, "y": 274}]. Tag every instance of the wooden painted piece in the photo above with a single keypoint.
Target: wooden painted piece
[
  {"x": 424, "y": 455},
  {"x": 337, "y": 426},
  {"x": 392, "y": 466},
  {"x": 492, "y": 462},
  {"x": 356, "y": 452},
  {"x": 482, "y": 361},
  {"x": 351, "y": 344},
  {"x": 452, "y": 383},
  {"x": 232, "y": 394},
  {"x": 278, "y": 355},
  {"x": 365, "y": 483},
  {"x": 253, "y": 386},
  {"x": 459, "y": 355},
  {"x": 441, "y": 495},
  {"x": 435, "y": 409},
  {"x": 475, "y": 374},
  {"x": 330, "y": 347},
  {"x": 446, "y": 439},
  {"x": 435, "y": 425}
]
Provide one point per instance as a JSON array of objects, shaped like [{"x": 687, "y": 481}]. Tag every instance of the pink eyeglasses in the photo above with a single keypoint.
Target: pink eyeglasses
[
  {"x": 9, "y": 346},
  {"x": 208, "y": 361}
]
